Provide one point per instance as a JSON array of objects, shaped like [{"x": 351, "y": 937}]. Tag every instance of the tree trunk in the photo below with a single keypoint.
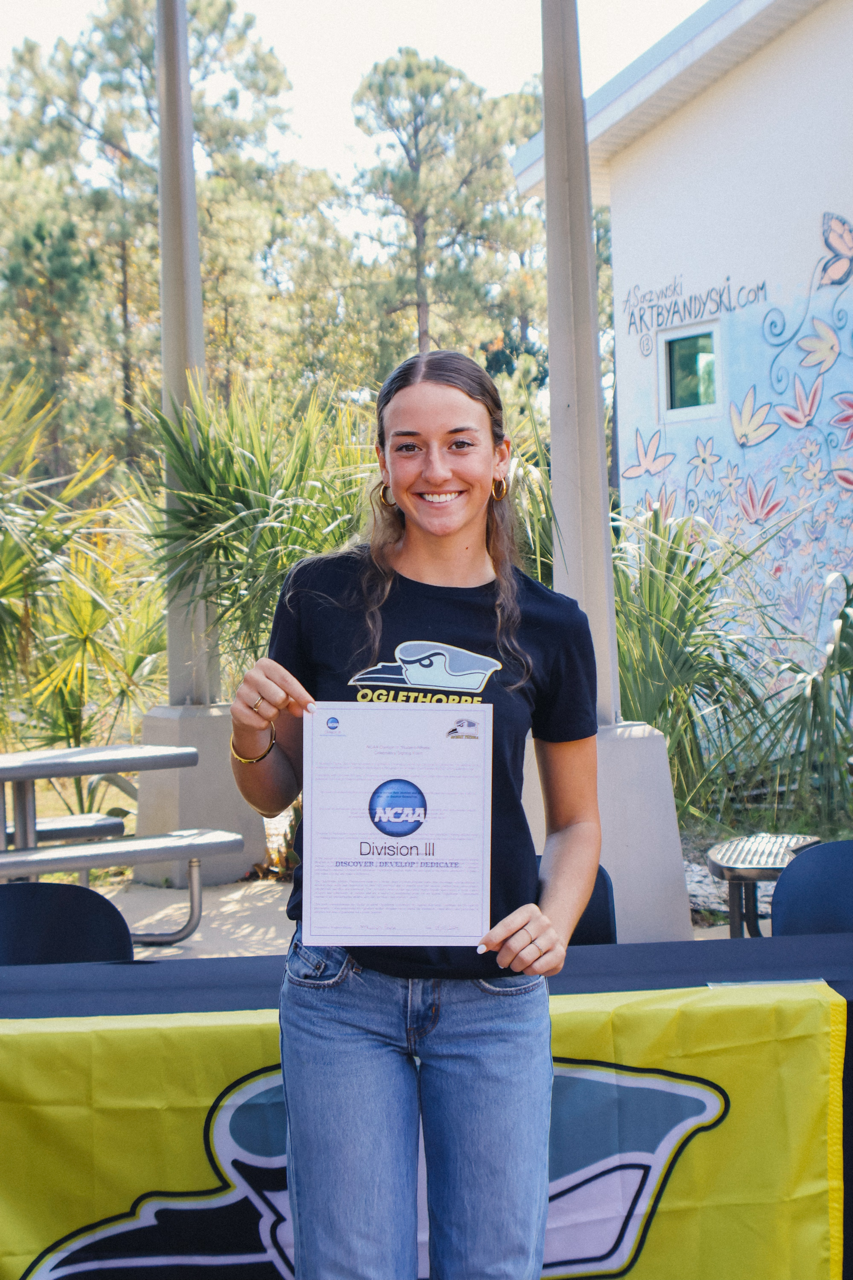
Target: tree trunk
[
  {"x": 421, "y": 284},
  {"x": 126, "y": 362},
  {"x": 524, "y": 317},
  {"x": 613, "y": 476},
  {"x": 52, "y": 391},
  {"x": 226, "y": 343}
]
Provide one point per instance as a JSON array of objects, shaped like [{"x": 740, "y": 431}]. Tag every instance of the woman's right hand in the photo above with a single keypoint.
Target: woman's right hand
[
  {"x": 266, "y": 692},
  {"x": 269, "y": 779}
]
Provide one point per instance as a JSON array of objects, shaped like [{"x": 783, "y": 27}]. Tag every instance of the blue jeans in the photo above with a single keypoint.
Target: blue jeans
[{"x": 364, "y": 1056}]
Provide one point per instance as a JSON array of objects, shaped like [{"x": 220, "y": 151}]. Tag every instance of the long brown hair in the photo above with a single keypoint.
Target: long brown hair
[{"x": 449, "y": 369}]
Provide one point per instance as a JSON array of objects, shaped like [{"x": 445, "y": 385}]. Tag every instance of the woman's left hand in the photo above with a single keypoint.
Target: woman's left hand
[{"x": 526, "y": 942}]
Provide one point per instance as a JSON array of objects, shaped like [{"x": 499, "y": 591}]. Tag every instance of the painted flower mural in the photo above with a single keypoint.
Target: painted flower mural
[
  {"x": 758, "y": 508},
  {"x": 704, "y": 461},
  {"x": 822, "y": 349},
  {"x": 648, "y": 462},
  {"x": 748, "y": 422},
  {"x": 814, "y": 473},
  {"x": 731, "y": 482},
  {"x": 844, "y": 418},
  {"x": 665, "y": 501},
  {"x": 801, "y": 414},
  {"x": 844, "y": 478},
  {"x": 785, "y": 471},
  {"x": 787, "y": 543}
]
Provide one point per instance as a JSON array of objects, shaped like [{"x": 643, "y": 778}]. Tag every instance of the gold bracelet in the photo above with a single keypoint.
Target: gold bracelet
[{"x": 257, "y": 759}]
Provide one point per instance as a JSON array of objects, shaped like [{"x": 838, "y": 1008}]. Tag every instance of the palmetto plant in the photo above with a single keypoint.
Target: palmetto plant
[
  {"x": 530, "y": 492},
  {"x": 37, "y": 519},
  {"x": 684, "y": 664},
  {"x": 28, "y": 539},
  {"x": 799, "y": 766},
  {"x": 685, "y": 667},
  {"x": 98, "y": 650},
  {"x": 251, "y": 492},
  {"x": 81, "y": 624}
]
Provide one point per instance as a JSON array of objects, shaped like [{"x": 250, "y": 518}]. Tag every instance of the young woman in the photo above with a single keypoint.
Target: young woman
[{"x": 374, "y": 1039}]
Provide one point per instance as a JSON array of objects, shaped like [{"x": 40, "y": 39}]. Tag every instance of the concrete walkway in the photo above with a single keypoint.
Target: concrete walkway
[
  {"x": 248, "y": 918},
  {"x": 717, "y": 932},
  {"x": 244, "y": 919}
]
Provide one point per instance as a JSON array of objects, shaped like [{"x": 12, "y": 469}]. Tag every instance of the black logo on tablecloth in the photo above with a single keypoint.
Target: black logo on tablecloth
[{"x": 616, "y": 1134}]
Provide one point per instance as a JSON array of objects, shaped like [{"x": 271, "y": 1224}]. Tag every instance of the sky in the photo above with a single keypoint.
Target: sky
[{"x": 327, "y": 47}]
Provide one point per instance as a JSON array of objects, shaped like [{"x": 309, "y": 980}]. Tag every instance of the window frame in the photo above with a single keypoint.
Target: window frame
[{"x": 698, "y": 412}]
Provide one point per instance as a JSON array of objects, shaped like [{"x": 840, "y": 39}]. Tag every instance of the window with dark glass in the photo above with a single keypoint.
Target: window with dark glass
[{"x": 690, "y": 371}]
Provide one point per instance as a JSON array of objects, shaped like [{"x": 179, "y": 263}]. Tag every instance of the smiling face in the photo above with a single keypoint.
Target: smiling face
[{"x": 440, "y": 461}]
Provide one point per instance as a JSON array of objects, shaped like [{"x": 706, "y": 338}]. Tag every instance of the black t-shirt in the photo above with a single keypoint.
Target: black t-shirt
[{"x": 447, "y": 635}]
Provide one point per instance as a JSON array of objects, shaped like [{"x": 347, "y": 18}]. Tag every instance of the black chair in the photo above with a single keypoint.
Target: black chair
[
  {"x": 47, "y": 923},
  {"x": 597, "y": 925},
  {"x": 814, "y": 894}
]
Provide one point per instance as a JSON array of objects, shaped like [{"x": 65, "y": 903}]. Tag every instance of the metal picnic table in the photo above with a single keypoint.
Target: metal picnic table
[{"x": 24, "y": 768}]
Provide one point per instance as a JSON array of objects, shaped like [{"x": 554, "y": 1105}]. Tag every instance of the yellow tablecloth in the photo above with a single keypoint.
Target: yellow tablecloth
[{"x": 696, "y": 1134}]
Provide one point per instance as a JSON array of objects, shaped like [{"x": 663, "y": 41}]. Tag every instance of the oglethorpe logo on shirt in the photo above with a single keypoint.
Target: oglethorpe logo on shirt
[{"x": 423, "y": 664}]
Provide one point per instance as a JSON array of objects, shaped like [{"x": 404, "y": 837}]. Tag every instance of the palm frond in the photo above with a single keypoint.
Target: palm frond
[
  {"x": 685, "y": 666},
  {"x": 249, "y": 494}
]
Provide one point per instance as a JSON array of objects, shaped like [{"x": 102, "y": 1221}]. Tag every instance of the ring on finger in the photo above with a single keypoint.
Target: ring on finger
[
  {"x": 532, "y": 942},
  {"x": 257, "y": 702}
]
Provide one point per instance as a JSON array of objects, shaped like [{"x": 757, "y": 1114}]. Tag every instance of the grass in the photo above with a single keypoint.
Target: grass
[{"x": 708, "y": 919}]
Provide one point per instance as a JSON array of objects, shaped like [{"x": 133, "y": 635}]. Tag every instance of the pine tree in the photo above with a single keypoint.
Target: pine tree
[{"x": 452, "y": 224}]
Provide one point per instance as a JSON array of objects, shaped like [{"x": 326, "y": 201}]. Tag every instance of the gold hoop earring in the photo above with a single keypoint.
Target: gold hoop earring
[
  {"x": 499, "y": 488},
  {"x": 382, "y": 497}
]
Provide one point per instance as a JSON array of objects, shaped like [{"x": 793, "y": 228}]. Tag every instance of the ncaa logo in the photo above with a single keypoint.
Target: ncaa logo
[
  {"x": 397, "y": 807},
  {"x": 332, "y": 723}
]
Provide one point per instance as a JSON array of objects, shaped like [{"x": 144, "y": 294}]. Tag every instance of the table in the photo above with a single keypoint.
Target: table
[
  {"x": 200, "y": 991},
  {"x": 745, "y": 861},
  {"x": 23, "y": 768}
]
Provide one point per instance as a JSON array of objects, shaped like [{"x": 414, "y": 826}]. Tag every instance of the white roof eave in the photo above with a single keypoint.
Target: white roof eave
[{"x": 714, "y": 40}]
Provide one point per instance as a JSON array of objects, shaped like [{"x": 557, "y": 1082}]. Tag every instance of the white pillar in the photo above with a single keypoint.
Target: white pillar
[
  {"x": 641, "y": 847},
  {"x": 182, "y": 329},
  {"x": 205, "y": 796},
  {"x": 193, "y": 658},
  {"x": 578, "y": 459}
]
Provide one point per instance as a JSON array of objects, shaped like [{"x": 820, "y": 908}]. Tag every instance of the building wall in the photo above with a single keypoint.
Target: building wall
[{"x": 719, "y": 224}]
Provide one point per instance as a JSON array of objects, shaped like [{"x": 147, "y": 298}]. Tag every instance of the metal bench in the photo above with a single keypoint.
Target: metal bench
[
  {"x": 73, "y": 826},
  {"x": 192, "y": 845},
  {"x": 745, "y": 861}
]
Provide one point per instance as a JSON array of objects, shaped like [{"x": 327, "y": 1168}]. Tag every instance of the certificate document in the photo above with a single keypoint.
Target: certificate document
[{"x": 396, "y": 824}]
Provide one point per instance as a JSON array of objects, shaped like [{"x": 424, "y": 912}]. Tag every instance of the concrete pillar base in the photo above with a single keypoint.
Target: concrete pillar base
[
  {"x": 641, "y": 847},
  {"x": 206, "y": 796}
]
